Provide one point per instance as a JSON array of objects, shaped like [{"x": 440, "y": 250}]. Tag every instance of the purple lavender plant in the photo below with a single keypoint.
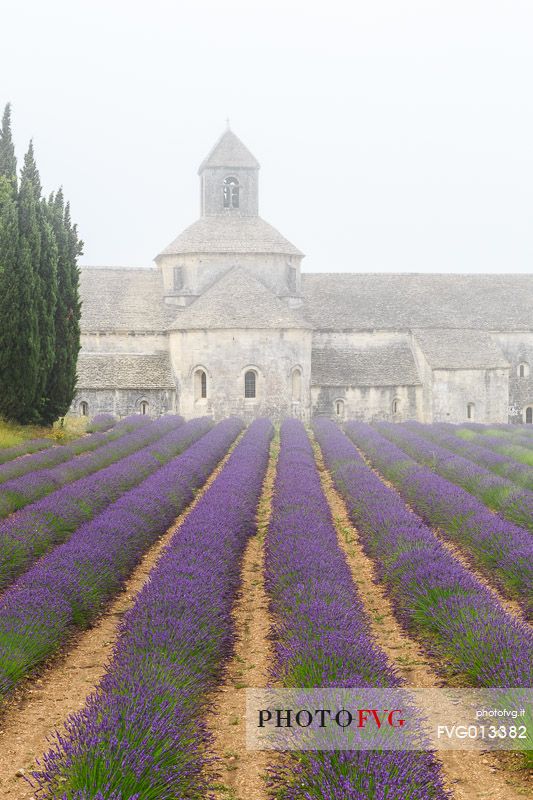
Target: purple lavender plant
[
  {"x": 62, "y": 453},
  {"x": 501, "y": 550},
  {"x": 322, "y": 638},
  {"x": 141, "y": 735},
  {"x": 101, "y": 422},
  {"x": 490, "y": 459},
  {"x": 24, "y": 448},
  {"x": 434, "y": 595},
  {"x": 70, "y": 585},
  {"x": 517, "y": 448},
  {"x": 497, "y": 493},
  {"x": 34, "y": 530}
]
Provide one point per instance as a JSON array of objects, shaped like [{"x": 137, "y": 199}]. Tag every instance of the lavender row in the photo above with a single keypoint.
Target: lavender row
[
  {"x": 36, "y": 529},
  {"x": 323, "y": 638},
  {"x": 70, "y": 585},
  {"x": 514, "y": 432},
  {"x": 517, "y": 448},
  {"x": 495, "y": 461},
  {"x": 501, "y": 550},
  {"x": 456, "y": 617},
  {"x": 141, "y": 736},
  {"x": 101, "y": 422},
  {"x": 19, "y": 492},
  {"x": 497, "y": 493},
  {"x": 24, "y": 448},
  {"x": 62, "y": 453}
]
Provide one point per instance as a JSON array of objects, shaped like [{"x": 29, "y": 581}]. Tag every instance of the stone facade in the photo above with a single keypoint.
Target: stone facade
[{"x": 227, "y": 323}]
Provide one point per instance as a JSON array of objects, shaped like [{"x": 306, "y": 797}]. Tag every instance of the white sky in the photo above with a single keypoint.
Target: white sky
[{"x": 393, "y": 135}]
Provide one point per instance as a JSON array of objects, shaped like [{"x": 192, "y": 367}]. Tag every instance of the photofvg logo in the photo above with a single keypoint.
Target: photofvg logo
[
  {"x": 324, "y": 717},
  {"x": 389, "y": 719}
]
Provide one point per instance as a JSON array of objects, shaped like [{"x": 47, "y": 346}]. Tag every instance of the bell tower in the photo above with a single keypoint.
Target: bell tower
[
  {"x": 229, "y": 233},
  {"x": 229, "y": 179}
]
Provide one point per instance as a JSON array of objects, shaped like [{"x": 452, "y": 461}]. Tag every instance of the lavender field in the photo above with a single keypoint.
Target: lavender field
[{"x": 152, "y": 571}]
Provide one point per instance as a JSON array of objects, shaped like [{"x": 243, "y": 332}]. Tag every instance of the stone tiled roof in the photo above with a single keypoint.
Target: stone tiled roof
[
  {"x": 455, "y": 349},
  {"x": 124, "y": 371},
  {"x": 230, "y": 234},
  {"x": 238, "y": 300},
  {"x": 229, "y": 151},
  {"x": 122, "y": 299},
  {"x": 404, "y": 301},
  {"x": 377, "y": 365}
]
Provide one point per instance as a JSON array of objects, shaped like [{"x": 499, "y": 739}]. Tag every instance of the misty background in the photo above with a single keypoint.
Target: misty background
[{"x": 393, "y": 135}]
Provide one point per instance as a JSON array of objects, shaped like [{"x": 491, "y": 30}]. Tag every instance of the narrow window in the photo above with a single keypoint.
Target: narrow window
[
  {"x": 291, "y": 279},
  {"x": 200, "y": 384},
  {"x": 249, "y": 383},
  {"x": 297, "y": 385},
  {"x": 144, "y": 407},
  {"x": 339, "y": 408},
  {"x": 84, "y": 409},
  {"x": 529, "y": 415},
  {"x": 178, "y": 278},
  {"x": 523, "y": 370},
  {"x": 395, "y": 405},
  {"x": 231, "y": 193},
  {"x": 470, "y": 410}
]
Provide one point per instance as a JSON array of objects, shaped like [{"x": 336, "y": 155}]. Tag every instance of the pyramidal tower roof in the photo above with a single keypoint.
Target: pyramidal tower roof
[{"x": 229, "y": 151}]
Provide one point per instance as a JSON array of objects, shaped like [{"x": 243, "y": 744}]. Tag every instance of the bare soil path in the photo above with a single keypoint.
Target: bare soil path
[
  {"x": 242, "y": 774},
  {"x": 468, "y": 776},
  {"x": 43, "y": 702}
]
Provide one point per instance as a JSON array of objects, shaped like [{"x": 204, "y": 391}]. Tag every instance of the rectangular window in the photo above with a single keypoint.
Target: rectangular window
[
  {"x": 178, "y": 278},
  {"x": 291, "y": 279}
]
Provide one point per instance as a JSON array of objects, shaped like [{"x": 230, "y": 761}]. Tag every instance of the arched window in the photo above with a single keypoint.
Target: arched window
[
  {"x": 470, "y": 410},
  {"x": 84, "y": 408},
  {"x": 296, "y": 388},
  {"x": 249, "y": 383},
  {"x": 396, "y": 405},
  {"x": 523, "y": 370},
  {"x": 339, "y": 408},
  {"x": 529, "y": 415},
  {"x": 231, "y": 193},
  {"x": 200, "y": 384},
  {"x": 143, "y": 405}
]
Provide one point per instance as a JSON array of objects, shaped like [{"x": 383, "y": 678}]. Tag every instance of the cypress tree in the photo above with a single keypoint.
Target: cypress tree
[
  {"x": 46, "y": 310},
  {"x": 62, "y": 377},
  {"x": 20, "y": 346},
  {"x": 39, "y": 303},
  {"x": 8, "y": 162},
  {"x": 10, "y": 346},
  {"x": 44, "y": 258}
]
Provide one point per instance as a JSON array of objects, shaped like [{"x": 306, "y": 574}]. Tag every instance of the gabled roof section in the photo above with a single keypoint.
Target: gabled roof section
[
  {"x": 460, "y": 349},
  {"x": 124, "y": 371},
  {"x": 390, "y": 364},
  {"x": 402, "y": 301},
  {"x": 122, "y": 299},
  {"x": 231, "y": 234},
  {"x": 238, "y": 300},
  {"x": 229, "y": 151}
]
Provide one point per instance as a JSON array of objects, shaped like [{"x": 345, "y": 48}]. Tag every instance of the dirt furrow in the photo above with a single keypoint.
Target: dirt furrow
[
  {"x": 468, "y": 776},
  {"x": 241, "y": 772},
  {"x": 42, "y": 703}
]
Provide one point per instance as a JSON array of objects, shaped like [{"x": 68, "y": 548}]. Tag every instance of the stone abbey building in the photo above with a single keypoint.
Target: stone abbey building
[{"x": 227, "y": 323}]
